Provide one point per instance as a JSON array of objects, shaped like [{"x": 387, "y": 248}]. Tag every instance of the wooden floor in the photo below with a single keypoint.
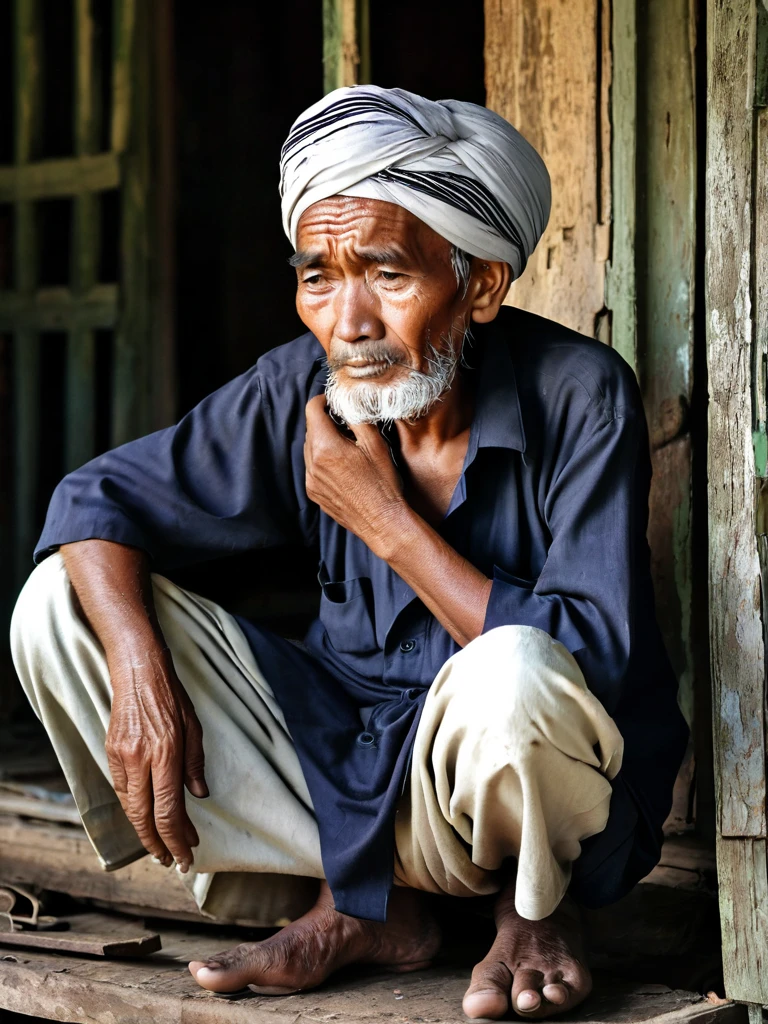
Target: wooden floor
[
  {"x": 656, "y": 954},
  {"x": 159, "y": 990}
]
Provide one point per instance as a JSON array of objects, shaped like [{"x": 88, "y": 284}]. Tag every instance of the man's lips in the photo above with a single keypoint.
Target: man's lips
[{"x": 366, "y": 367}]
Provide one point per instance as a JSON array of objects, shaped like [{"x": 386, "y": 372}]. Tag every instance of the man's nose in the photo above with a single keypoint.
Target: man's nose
[{"x": 357, "y": 316}]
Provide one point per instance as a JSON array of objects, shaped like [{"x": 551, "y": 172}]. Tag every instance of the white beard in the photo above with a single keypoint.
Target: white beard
[{"x": 408, "y": 399}]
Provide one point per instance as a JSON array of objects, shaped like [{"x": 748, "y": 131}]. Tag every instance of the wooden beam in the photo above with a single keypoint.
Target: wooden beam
[
  {"x": 26, "y": 361},
  {"x": 68, "y": 176},
  {"x": 743, "y": 902},
  {"x": 346, "y": 45},
  {"x": 621, "y": 281},
  {"x": 737, "y": 344},
  {"x": 80, "y": 400},
  {"x": 736, "y": 626},
  {"x": 130, "y": 124},
  {"x": 56, "y": 309},
  {"x": 544, "y": 72}
]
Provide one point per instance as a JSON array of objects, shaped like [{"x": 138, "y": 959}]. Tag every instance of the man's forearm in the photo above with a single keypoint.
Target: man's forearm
[
  {"x": 451, "y": 587},
  {"x": 113, "y": 586}
]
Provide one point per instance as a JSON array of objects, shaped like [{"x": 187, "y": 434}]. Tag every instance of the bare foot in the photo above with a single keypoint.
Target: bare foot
[
  {"x": 308, "y": 950},
  {"x": 536, "y": 967}
]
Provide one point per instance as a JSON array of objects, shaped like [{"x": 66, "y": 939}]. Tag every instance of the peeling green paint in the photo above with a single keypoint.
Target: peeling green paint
[{"x": 760, "y": 446}]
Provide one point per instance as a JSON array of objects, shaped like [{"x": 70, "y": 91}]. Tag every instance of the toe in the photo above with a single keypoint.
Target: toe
[
  {"x": 488, "y": 993},
  {"x": 526, "y": 990},
  {"x": 225, "y": 972},
  {"x": 556, "y": 993}
]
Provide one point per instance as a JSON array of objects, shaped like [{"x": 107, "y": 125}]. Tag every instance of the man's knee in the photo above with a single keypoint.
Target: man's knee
[
  {"x": 516, "y": 671},
  {"x": 45, "y": 598},
  {"x": 523, "y": 692}
]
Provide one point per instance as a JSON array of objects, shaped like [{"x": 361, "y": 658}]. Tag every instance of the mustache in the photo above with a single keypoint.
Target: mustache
[{"x": 374, "y": 352}]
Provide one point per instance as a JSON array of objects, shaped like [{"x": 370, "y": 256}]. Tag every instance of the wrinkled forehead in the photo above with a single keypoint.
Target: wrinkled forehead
[{"x": 355, "y": 222}]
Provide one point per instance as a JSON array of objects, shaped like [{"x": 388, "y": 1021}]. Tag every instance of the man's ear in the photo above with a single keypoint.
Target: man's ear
[{"x": 490, "y": 284}]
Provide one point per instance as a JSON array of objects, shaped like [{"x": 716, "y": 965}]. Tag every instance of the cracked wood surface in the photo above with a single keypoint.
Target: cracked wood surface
[
  {"x": 548, "y": 72},
  {"x": 737, "y": 215},
  {"x": 160, "y": 990}
]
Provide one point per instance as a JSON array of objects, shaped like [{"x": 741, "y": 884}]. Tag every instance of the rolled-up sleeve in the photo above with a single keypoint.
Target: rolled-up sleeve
[
  {"x": 221, "y": 481},
  {"x": 597, "y": 562}
]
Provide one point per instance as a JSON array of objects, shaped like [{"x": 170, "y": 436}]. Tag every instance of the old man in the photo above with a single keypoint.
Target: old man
[{"x": 484, "y": 704}]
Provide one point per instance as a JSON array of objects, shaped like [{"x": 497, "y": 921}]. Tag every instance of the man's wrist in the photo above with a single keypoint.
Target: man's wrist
[{"x": 399, "y": 527}]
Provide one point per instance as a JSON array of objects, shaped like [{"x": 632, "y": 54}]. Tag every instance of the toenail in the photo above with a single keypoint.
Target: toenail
[{"x": 528, "y": 1001}]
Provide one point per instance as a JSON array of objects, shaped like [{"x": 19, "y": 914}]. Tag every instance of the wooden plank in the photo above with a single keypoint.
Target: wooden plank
[
  {"x": 163, "y": 353},
  {"x": 55, "y": 309},
  {"x": 621, "y": 283},
  {"x": 665, "y": 251},
  {"x": 744, "y": 917},
  {"x": 60, "y": 858},
  {"x": 159, "y": 990},
  {"x": 543, "y": 72},
  {"x": 26, "y": 377},
  {"x": 26, "y": 363},
  {"x": 67, "y": 176},
  {"x": 124, "y": 18},
  {"x": 80, "y": 399},
  {"x": 82, "y": 942},
  {"x": 736, "y": 623},
  {"x": 346, "y": 46},
  {"x": 131, "y": 121}
]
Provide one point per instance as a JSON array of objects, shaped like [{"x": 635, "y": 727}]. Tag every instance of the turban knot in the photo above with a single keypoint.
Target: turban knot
[{"x": 459, "y": 167}]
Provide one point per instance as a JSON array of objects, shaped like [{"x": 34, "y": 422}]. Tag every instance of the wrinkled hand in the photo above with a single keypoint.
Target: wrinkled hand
[
  {"x": 354, "y": 482},
  {"x": 154, "y": 748}
]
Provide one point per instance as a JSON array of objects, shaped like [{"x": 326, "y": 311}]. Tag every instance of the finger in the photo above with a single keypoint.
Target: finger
[
  {"x": 194, "y": 760},
  {"x": 117, "y": 774},
  {"x": 370, "y": 440},
  {"x": 170, "y": 813},
  {"x": 315, "y": 411},
  {"x": 137, "y": 802},
  {"x": 191, "y": 833}
]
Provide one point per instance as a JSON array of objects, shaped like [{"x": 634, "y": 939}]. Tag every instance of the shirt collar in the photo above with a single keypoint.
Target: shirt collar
[{"x": 498, "y": 422}]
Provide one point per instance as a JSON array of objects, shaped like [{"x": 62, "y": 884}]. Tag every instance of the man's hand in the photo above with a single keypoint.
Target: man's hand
[
  {"x": 154, "y": 748},
  {"x": 354, "y": 482},
  {"x": 154, "y": 741},
  {"x": 357, "y": 484}
]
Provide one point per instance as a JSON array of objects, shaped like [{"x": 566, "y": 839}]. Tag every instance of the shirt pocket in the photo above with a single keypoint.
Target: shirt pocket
[{"x": 346, "y": 611}]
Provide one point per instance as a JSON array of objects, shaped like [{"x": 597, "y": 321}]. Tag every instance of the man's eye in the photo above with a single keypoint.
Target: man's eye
[
  {"x": 313, "y": 279},
  {"x": 390, "y": 275}
]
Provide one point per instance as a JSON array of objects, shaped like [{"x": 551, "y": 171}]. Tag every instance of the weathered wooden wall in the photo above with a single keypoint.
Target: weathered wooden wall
[
  {"x": 548, "y": 72},
  {"x": 606, "y": 93},
  {"x": 737, "y": 329}
]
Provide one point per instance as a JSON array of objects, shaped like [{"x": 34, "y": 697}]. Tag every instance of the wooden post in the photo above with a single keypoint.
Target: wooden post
[
  {"x": 620, "y": 283},
  {"x": 547, "y": 72},
  {"x": 737, "y": 342},
  {"x": 26, "y": 354},
  {"x": 346, "y": 45},
  {"x": 80, "y": 402}
]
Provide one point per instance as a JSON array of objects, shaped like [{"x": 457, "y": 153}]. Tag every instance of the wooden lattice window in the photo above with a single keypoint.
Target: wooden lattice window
[{"x": 84, "y": 304}]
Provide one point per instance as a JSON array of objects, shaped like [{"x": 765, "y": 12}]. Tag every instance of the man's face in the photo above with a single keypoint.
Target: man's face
[{"x": 376, "y": 286}]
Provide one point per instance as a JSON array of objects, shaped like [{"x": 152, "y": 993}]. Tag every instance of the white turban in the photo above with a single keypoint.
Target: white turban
[{"x": 459, "y": 167}]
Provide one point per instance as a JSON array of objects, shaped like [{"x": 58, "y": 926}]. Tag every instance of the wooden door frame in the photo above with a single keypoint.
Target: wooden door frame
[{"x": 737, "y": 341}]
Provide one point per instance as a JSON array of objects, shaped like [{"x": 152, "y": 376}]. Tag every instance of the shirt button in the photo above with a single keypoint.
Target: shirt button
[
  {"x": 412, "y": 694},
  {"x": 406, "y": 646},
  {"x": 366, "y": 739}
]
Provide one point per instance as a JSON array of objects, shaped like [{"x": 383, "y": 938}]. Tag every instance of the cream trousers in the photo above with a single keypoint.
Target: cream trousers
[{"x": 511, "y": 760}]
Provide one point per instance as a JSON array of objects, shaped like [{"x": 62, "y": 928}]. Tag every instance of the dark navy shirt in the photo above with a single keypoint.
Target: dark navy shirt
[{"x": 552, "y": 504}]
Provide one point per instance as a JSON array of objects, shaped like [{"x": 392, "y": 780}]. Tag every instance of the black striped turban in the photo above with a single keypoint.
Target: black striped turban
[{"x": 460, "y": 168}]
